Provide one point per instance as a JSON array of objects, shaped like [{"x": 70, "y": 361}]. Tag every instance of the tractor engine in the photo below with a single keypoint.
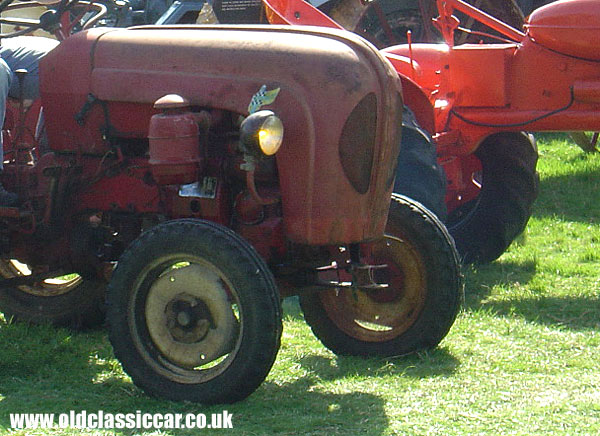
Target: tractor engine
[{"x": 156, "y": 113}]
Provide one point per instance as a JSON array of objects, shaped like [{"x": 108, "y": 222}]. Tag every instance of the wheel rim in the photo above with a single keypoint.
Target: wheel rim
[
  {"x": 378, "y": 316},
  {"x": 52, "y": 287},
  {"x": 188, "y": 325},
  {"x": 399, "y": 22}
]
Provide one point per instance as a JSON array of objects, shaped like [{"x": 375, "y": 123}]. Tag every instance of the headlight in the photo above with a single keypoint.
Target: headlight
[{"x": 261, "y": 134}]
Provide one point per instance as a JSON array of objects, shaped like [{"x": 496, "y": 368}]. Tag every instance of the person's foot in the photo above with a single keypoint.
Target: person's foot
[{"x": 8, "y": 199}]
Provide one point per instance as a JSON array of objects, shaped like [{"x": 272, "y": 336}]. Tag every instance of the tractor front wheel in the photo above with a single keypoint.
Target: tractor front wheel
[
  {"x": 417, "y": 308},
  {"x": 194, "y": 313}
]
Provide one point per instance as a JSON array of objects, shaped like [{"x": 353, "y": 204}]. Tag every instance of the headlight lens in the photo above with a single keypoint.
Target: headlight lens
[
  {"x": 261, "y": 134},
  {"x": 270, "y": 135}
]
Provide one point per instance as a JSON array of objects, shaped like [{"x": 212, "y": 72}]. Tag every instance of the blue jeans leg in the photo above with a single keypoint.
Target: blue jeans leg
[{"x": 5, "y": 82}]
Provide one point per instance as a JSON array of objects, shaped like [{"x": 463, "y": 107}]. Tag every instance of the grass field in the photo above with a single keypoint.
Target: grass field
[{"x": 522, "y": 359}]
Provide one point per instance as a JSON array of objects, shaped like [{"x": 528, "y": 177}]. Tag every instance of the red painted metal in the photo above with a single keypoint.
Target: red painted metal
[
  {"x": 297, "y": 13},
  {"x": 547, "y": 80},
  {"x": 174, "y": 146},
  {"x": 122, "y": 59},
  {"x": 123, "y": 192},
  {"x": 447, "y": 22},
  {"x": 114, "y": 160},
  {"x": 567, "y": 27},
  {"x": 217, "y": 209},
  {"x": 268, "y": 236}
]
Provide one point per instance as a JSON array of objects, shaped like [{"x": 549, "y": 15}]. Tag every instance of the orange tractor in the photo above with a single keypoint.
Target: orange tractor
[{"x": 476, "y": 99}]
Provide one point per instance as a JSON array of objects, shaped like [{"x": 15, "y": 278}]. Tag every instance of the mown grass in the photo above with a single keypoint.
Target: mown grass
[{"x": 522, "y": 359}]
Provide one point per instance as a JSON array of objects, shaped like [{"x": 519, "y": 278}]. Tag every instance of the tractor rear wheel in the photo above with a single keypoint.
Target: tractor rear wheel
[
  {"x": 385, "y": 23},
  {"x": 485, "y": 227},
  {"x": 67, "y": 301},
  {"x": 417, "y": 309},
  {"x": 419, "y": 176},
  {"x": 194, "y": 313}
]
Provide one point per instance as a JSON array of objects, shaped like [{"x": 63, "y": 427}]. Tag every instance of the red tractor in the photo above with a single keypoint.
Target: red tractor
[{"x": 163, "y": 177}]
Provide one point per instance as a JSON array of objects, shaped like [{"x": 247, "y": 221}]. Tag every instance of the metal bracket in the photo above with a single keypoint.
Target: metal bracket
[{"x": 362, "y": 277}]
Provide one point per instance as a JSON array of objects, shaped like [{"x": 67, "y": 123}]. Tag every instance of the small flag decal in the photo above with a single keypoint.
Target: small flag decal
[{"x": 261, "y": 98}]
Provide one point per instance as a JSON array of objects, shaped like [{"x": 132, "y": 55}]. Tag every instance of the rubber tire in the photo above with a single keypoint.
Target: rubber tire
[
  {"x": 419, "y": 227},
  {"x": 418, "y": 175},
  {"x": 485, "y": 227},
  {"x": 82, "y": 307},
  {"x": 259, "y": 304}
]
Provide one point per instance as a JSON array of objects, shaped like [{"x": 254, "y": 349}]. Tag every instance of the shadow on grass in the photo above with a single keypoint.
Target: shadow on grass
[
  {"x": 481, "y": 279},
  {"x": 575, "y": 313},
  {"x": 572, "y": 197},
  {"x": 552, "y": 136},
  {"x": 427, "y": 364},
  {"x": 291, "y": 309},
  {"x": 48, "y": 370},
  {"x": 351, "y": 413},
  {"x": 302, "y": 408}
]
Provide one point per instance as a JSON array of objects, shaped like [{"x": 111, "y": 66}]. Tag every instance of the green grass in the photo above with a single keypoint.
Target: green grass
[{"x": 522, "y": 359}]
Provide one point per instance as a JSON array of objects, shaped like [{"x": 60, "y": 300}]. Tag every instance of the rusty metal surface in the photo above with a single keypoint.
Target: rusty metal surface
[
  {"x": 173, "y": 150},
  {"x": 323, "y": 74}
]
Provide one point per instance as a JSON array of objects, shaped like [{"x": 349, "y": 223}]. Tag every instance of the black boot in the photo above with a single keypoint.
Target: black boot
[{"x": 8, "y": 199}]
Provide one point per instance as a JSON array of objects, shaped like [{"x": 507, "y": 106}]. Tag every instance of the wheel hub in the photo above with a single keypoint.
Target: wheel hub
[
  {"x": 384, "y": 314},
  {"x": 190, "y": 317}
]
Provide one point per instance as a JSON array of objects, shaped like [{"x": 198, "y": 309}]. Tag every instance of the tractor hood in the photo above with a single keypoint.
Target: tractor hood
[
  {"x": 570, "y": 27},
  {"x": 334, "y": 90},
  {"x": 212, "y": 66}
]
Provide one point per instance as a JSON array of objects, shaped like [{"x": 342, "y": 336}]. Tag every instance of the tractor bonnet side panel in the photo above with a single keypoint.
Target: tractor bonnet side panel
[
  {"x": 570, "y": 27},
  {"x": 65, "y": 75},
  {"x": 334, "y": 89}
]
